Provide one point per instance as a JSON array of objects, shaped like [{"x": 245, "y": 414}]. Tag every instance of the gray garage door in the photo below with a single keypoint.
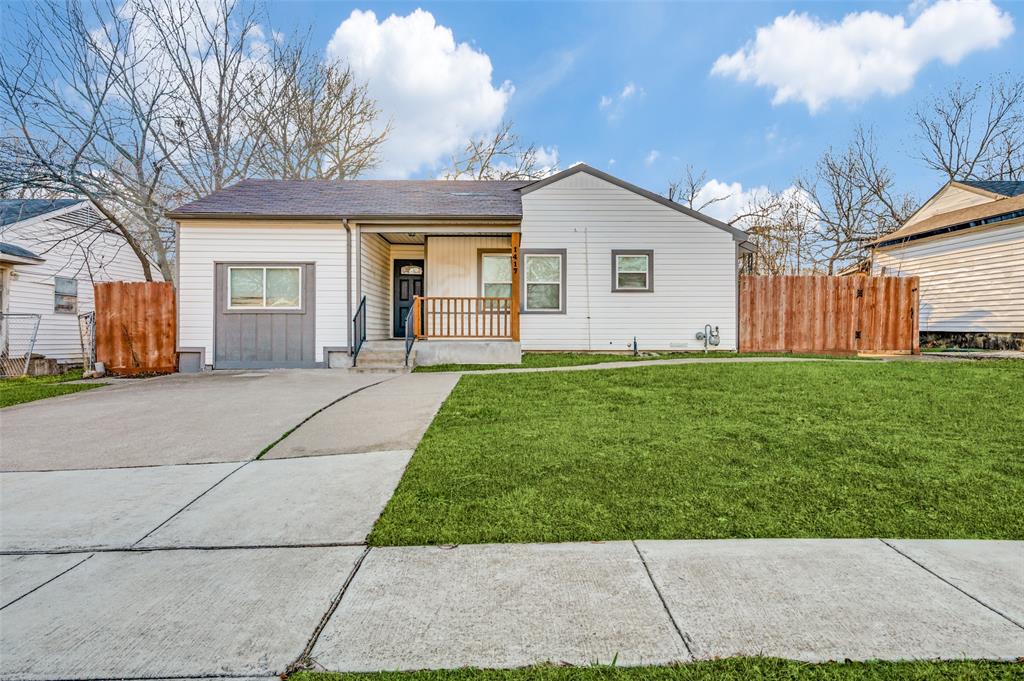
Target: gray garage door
[{"x": 265, "y": 316}]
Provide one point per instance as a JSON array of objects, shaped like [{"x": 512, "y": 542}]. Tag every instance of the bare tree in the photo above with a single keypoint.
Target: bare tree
[
  {"x": 782, "y": 229},
  {"x": 974, "y": 133},
  {"x": 314, "y": 120},
  {"x": 141, "y": 105},
  {"x": 499, "y": 156},
  {"x": 854, "y": 200},
  {"x": 687, "y": 190},
  {"x": 79, "y": 122}
]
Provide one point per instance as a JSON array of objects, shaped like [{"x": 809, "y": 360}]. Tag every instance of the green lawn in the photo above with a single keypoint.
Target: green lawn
[
  {"x": 734, "y": 669},
  {"x": 19, "y": 390},
  {"x": 544, "y": 360},
  {"x": 802, "y": 449}
]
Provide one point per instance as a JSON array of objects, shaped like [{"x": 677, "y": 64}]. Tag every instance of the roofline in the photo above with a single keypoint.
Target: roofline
[
  {"x": 21, "y": 259},
  {"x": 56, "y": 212},
  {"x": 887, "y": 241},
  {"x": 415, "y": 217},
  {"x": 977, "y": 190},
  {"x": 737, "y": 234}
]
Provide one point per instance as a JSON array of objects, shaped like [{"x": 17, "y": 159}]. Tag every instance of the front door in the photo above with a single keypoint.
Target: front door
[{"x": 408, "y": 283}]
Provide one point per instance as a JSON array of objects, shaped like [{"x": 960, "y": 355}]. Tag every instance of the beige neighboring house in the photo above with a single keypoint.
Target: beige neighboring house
[
  {"x": 51, "y": 252},
  {"x": 966, "y": 243}
]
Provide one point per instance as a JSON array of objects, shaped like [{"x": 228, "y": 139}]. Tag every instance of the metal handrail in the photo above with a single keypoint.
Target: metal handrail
[
  {"x": 358, "y": 330},
  {"x": 410, "y": 331}
]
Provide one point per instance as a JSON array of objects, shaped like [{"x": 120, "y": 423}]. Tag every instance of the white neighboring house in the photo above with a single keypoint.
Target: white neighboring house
[
  {"x": 290, "y": 273},
  {"x": 51, "y": 252},
  {"x": 966, "y": 244}
]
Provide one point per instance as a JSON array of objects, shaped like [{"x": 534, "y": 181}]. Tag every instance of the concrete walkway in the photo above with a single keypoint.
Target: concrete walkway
[{"x": 255, "y": 611}]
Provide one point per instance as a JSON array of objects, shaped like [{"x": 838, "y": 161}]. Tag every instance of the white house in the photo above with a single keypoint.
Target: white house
[
  {"x": 300, "y": 273},
  {"x": 51, "y": 252},
  {"x": 966, "y": 243}
]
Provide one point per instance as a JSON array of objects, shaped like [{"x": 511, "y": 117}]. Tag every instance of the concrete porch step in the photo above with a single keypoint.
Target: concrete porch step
[{"x": 384, "y": 357}]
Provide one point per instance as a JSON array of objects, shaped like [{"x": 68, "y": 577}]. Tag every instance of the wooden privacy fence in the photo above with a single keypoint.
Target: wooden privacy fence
[
  {"x": 828, "y": 314},
  {"x": 135, "y": 327}
]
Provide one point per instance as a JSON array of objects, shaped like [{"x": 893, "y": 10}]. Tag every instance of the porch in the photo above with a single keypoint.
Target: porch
[{"x": 438, "y": 294}]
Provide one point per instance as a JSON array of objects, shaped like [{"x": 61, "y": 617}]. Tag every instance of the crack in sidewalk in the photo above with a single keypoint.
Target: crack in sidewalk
[
  {"x": 687, "y": 641},
  {"x": 946, "y": 581}
]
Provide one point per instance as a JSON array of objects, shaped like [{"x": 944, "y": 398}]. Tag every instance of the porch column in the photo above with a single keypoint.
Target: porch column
[{"x": 514, "y": 312}]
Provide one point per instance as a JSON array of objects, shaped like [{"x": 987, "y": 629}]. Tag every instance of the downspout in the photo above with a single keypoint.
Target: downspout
[{"x": 348, "y": 282}]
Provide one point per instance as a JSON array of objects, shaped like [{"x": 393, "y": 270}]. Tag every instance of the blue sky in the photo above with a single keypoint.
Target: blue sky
[{"x": 563, "y": 58}]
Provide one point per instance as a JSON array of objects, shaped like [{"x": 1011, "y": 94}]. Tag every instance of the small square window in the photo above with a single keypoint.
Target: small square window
[
  {"x": 632, "y": 271},
  {"x": 65, "y": 295}
]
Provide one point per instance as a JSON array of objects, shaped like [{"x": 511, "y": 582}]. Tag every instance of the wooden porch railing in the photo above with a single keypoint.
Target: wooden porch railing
[{"x": 464, "y": 317}]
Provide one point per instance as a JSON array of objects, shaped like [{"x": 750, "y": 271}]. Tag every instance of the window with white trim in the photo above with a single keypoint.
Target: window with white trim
[
  {"x": 265, "y": 288},
  {"x": 65, "y": 295},
  {"x": 496, "y": 275},
  {"x": 544, "y": 281},
  {"x": 632, "y": 271}
]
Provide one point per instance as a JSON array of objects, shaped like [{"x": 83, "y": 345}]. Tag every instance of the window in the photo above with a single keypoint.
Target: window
[
  {"x": 65, "y": 295},
  {"x": 265, "y": 288},
  {"x": 410, "y": 269},
  {"x": 496, "y": 275},
  {"x": 632, "y": 271},
  {"x": 544, "y": 280}
]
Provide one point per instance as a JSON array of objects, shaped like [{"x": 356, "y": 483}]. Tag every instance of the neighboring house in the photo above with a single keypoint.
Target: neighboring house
[
  {"x": 966, "y": 243},
  {"x": 272, "y": 273},
  {"x": 51, "y": 252}
]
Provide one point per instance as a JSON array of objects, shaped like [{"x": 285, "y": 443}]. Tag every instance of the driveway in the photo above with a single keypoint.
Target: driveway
[{"x": 177, "y": 419}]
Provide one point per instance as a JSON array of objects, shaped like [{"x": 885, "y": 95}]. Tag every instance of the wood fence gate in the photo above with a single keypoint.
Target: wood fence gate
[
  {"x": 828, "y": 314},
  {"x": 136, "y": 327}
]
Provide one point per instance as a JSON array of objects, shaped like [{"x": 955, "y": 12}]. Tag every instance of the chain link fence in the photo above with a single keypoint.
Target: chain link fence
[{"x": 18, "y": 334}]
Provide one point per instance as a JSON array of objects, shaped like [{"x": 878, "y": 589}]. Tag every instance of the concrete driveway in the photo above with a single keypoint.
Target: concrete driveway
[{"x": 193, "y": 418}]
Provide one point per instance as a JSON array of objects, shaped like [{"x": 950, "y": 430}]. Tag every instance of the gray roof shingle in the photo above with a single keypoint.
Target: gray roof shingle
[
  {"x": 361, "y": 198},
  {"x": 18, "y": 251},
  {"x": 16, "y": 210},
  {"x": 1004, "y": 187}
]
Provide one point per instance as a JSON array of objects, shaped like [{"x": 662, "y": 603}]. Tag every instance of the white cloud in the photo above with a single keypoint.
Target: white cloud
[
  {"x": 611, "y": 161},
  {"x": 652, "y": 156},
  {"x": 616, "y": 105},
  {"x": 436, "y": 92},
  {"x": 808, "y": 60}
]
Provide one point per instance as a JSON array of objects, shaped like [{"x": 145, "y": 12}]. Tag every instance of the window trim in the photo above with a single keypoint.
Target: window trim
[
  {"x": 650, "y": 270},
  {"x": 66, "y": 295},
  {"x": 524, "y": 253},
  {"x": 264, "y": 308}
]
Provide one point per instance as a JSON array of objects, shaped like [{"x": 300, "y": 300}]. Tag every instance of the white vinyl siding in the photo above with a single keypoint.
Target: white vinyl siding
[
  {"x": 202, "y": 245},
  {"x": 32, "y": 288},
  {"x": 453, "y": 263},
  {"x": 971, "y": 281},
  {"x": 695, "y": 265},
  {"x": 376, "y": 286}
]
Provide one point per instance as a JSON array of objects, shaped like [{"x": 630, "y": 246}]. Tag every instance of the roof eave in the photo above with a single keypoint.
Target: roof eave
[{"x": 178, "y": 215}]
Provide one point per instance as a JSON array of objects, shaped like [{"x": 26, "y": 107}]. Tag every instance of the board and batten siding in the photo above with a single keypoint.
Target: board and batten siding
[
  {"x": 694, "y": 270},
  {"x": 971, "y": 281},
  {"x": 203, "y": 243},
  {"x": 106, "y": 257},
  {"x": 453, "y": 263},
  {"x": 375, "y": 284}
]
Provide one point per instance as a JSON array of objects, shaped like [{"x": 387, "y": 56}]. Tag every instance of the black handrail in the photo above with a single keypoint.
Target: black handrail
[
  {"x": 358, "y": 330},
  {"x": 410, "y": 334}
]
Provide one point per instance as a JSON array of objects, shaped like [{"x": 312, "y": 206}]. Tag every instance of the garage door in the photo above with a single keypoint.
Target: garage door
[{"x": 266, "y": 315}]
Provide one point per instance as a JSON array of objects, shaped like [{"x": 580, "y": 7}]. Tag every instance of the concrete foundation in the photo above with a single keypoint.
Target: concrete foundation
[{"x": 430, "y": 352}]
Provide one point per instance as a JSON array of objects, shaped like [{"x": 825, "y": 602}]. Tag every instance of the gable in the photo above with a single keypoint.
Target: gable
[
  {"x": 583, "y": 176},
  {"x": 951, "y": 197}
]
